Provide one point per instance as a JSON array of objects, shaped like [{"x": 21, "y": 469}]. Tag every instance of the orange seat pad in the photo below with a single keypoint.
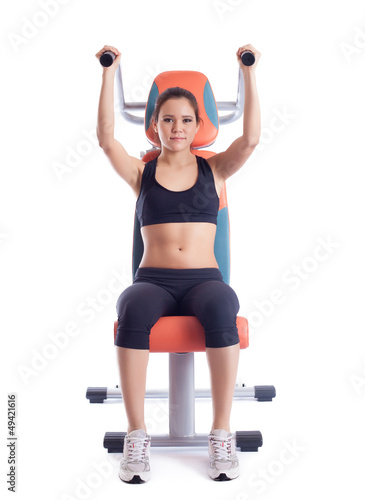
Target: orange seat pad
[{"x": 185, "y": 334}]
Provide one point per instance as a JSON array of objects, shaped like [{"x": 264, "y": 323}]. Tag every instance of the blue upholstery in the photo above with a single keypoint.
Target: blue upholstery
[{"x": 210, "y": 105}]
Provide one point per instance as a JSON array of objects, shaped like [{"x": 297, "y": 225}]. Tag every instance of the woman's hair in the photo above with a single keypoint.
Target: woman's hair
[{"x": 175, "y": 93}]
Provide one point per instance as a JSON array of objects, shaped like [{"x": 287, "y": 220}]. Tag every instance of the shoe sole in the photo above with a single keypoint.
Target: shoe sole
[
  {"x": 135, "y": 479},
  {"x": 223, "y": 477}
]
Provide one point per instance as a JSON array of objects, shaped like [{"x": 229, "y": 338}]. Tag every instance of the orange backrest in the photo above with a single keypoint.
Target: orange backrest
[{"x": 198, "y": 84}]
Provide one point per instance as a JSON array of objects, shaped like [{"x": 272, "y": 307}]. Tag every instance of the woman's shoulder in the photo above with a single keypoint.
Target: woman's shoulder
[
  {"x": 148, "y": 163},
  {"x": 206, "y": 162}
]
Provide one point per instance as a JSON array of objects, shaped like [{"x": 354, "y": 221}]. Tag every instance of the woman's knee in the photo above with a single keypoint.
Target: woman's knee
[
  {"x": 220, "y": 323},
  {"x": 221, "y": 308},
  {"x": 225, "y": 299},
  {"x": 216, "y": 305},
  {"x": 129, "y": 301}
]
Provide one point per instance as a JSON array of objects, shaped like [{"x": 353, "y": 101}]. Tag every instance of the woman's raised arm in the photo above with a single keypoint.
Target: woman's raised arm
[
  {"x": 128, "y": 167},
  {"x": 230, "y": 161}
]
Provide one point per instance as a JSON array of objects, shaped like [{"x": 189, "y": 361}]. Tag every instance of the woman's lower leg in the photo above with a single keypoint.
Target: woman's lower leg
[
  {"x": 223, "y": 365},
  {"x": 133, "y": 371}
]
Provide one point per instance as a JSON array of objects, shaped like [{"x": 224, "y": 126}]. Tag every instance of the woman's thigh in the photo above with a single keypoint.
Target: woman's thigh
[{"x": 216, "y": 305}]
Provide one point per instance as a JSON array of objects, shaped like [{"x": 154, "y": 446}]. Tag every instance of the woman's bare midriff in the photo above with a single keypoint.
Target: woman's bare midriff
[
  {"x": 184, "y": 245},
  {"x": 179, "y": 245}
]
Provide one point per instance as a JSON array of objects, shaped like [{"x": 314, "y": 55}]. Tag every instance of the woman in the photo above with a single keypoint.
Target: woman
[{"x": 178, "y": 273}]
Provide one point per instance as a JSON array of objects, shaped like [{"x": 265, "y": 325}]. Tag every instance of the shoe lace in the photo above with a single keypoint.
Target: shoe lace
[
  {"x": 222, "y": 447},
  {"x": 137, "y": 448}
]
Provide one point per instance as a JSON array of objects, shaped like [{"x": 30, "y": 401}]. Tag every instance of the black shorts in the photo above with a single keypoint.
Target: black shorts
[{"x": 157, "y": 292}]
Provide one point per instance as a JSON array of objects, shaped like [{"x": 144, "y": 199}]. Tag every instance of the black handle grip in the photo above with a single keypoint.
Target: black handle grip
[
  {"x": 107, "y": 58},
  {"x": 247, "y": 58}
]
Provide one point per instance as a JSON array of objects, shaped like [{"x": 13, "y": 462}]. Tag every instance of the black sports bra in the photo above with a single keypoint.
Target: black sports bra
[{"x": 157, "y": 204}]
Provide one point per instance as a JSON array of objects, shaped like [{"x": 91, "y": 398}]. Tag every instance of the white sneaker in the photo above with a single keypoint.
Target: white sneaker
[
  {"x": 224, "y": 464},
  {"x": 135, "y": 465}
]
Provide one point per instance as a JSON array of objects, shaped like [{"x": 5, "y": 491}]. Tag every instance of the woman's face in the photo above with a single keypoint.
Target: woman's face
[{"x": 176, "y": 126}]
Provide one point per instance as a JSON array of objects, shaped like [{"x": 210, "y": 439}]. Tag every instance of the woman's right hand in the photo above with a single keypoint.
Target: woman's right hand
[{"x": 116, "y": 60}]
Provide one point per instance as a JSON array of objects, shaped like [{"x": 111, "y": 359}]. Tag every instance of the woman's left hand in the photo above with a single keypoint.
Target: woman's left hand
[{"x": 255, "y": 52}]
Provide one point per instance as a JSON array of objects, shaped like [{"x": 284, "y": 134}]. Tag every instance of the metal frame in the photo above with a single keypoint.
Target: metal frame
[
  {"x": 181, "y": 396},
  {"x": 127, "y": 108}
]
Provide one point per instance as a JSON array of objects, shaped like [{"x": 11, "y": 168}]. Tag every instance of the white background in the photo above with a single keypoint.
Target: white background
[{"x": 63, "y": 237}]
